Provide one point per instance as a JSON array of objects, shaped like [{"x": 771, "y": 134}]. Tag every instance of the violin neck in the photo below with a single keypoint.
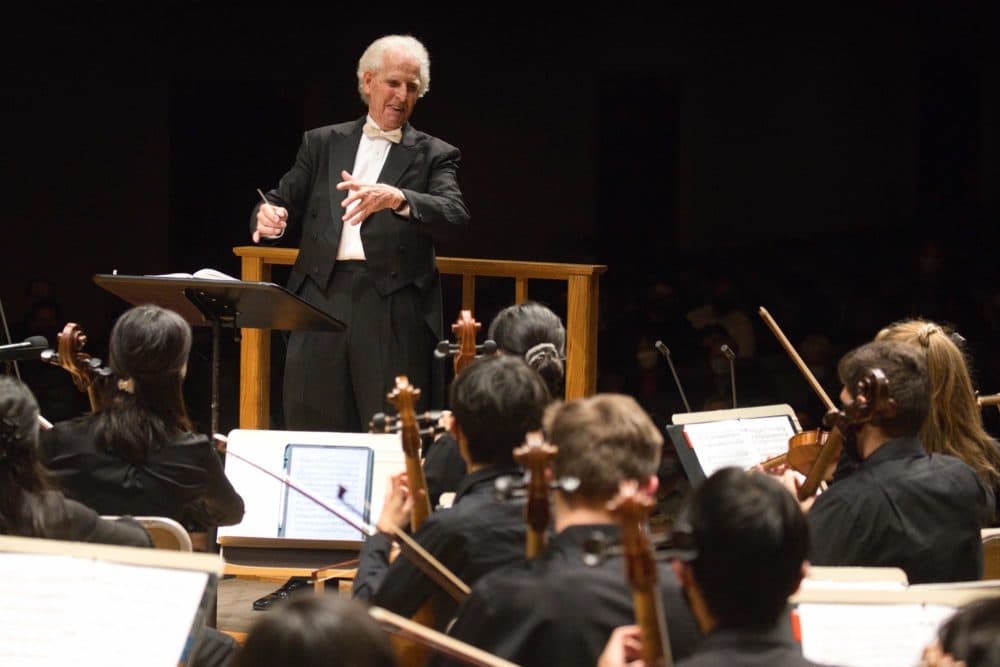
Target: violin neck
[{"x": 418, "y": 491}]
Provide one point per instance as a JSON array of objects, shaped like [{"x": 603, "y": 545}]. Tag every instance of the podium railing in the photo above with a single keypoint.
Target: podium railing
[{"x": 583, "y": 291}]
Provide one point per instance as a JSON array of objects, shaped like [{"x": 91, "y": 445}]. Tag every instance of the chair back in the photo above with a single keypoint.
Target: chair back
[
  {"x": 166, "y": 533},
  {"x": 991, "y": 553}
]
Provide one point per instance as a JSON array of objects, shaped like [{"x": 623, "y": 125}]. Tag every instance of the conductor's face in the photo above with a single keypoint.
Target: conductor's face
[{"x": 392, "y": 93}]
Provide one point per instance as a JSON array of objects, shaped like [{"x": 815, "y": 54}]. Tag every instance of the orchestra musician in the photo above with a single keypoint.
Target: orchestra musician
[
  {"x": 496, "y": 402},
  {"x": 749, "y": 540},
  {"x": 954, "y": 424},
  {"x": 901, "y": 506},
  {"x": 317, "y": 631},
  {"x": 528, "y": 330},
  {"x": 137, "y": 454},
  {"x": 30, "y": 506},
  {"x": 560, "y": 607}
]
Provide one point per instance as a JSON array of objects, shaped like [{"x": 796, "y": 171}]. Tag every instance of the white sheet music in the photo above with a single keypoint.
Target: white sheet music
[
  {"x": 869, "y": 635},
  {"x": 738, "y": 442},
  {"x": 61, "y": 610},
  {"x": 323, "y": 470}
]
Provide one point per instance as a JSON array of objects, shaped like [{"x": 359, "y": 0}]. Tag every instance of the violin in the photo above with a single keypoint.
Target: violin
[
  {"x": 804, "y": 449},
  {"x": 631, "y": 507},
  {"x": 534, "y": 456},
  {"x": 87, "y": 371},
  {"x": 871, "y": 400},
  {"x": 427, "y": 563}
]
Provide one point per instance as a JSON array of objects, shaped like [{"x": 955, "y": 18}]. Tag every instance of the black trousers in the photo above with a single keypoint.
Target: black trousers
[{"x": 337, "y": 381}]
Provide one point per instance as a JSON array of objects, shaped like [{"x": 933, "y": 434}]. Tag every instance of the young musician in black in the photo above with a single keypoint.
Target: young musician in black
[
  {"x": 560, "y": 607},
  {"x": 496, "y": 402}
]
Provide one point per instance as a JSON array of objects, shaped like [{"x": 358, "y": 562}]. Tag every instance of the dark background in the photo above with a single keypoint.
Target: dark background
[{"x": 838, "y": 166}]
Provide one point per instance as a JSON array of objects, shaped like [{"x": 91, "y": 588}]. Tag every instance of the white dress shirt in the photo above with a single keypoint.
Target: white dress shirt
[{"x": 368, "y": 163}]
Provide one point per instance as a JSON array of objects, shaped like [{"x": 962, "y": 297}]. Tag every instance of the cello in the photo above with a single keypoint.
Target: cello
[{"x": 632, "y": 507}]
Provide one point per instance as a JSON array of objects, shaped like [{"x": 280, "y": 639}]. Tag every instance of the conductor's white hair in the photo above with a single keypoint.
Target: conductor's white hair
[{"x": 373, "y": 57}]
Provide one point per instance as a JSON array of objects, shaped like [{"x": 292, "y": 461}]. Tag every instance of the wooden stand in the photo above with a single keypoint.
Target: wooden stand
[{"x": 583, "y": 283}]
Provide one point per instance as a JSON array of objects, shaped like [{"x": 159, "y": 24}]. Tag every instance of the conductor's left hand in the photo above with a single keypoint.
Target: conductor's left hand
[{"x": 370, "y": 198}]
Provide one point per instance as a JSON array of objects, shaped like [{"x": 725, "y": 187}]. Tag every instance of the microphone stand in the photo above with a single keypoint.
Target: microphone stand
[
  {"x": 6, "y": 331},
  {"x": 731, "y": 356},
  {"x": 666, "y": 353}
]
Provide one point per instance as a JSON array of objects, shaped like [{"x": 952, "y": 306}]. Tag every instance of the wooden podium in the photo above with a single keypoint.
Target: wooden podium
[{"x": 583, "y": 284}]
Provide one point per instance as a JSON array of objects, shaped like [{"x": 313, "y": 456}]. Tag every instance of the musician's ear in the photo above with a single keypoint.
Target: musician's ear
[
  {"x": 803, "y": 573},
  {"x": 651, "y": 485},
  {"x": 463, "y": 442}
]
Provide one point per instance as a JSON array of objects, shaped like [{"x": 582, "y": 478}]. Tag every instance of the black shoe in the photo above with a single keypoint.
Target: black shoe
[{"x": 289, "y": 587}]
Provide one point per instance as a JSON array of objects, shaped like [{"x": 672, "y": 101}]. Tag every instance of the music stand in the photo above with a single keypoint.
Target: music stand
[{"x": 234, "y": 304}]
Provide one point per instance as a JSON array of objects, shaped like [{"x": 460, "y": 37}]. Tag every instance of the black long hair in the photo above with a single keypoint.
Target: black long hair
[
  {"x": 20, "y": 469},
  {"x": 148, "y": 354},
  {"x": 532, "y": 331}
]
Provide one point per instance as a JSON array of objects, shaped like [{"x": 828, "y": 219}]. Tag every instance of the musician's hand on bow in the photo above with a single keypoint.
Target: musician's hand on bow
[
  {"x": 397, "y": 507},
  {"x": 934, "y": 656},
  {"x": 792, "y": 480},
  {"x": 622, "y": 649},
  {"x": 370, "y": 198},
  {"x": 271, "y": 222}
]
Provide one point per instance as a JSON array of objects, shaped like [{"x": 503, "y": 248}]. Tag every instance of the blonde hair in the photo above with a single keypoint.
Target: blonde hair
[{"x": 954, "y": 423}]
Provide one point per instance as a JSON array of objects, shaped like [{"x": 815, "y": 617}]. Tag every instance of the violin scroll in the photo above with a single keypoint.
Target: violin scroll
[
  {"x": 534, "y": 456},
  {"x": 404, "y": 396},
  {"x": 85, "y": 369}
]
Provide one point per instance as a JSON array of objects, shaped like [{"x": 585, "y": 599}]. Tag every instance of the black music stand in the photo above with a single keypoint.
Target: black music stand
[{"x": 221, "y": 303}]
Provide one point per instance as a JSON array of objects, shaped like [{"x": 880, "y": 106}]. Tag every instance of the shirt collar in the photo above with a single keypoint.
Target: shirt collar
[
  {"x": 904, "y": 447},
  {"x": 482, "y": 480}
]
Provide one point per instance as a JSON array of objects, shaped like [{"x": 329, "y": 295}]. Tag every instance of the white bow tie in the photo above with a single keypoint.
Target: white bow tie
[{"x": 375, "y": 132}]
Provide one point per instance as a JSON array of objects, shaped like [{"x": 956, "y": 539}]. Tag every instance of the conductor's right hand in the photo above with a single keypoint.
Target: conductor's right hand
[{"x": 271, "y": 222}]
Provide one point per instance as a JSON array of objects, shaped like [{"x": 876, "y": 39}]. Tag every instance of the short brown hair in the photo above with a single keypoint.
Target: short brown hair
[{"x": 603, "y": 440}]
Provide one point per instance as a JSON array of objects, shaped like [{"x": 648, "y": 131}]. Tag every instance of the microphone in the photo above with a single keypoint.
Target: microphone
[
  {"x": 666, "y": 353},
  {"x": 728, "y": 351},
  {"x": 31, "y": 348}
]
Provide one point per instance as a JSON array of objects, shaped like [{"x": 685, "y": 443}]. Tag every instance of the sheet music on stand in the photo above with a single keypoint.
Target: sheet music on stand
[
  {"x": 887, "y": 626},
  {"x": 743, "y": 437},
  {"x": 73, "y": 603}
]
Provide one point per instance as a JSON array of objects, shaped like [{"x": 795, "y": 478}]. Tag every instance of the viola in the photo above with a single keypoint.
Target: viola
[
  {"x": 465, "y": 351},
  {"x": 631, "y": 507},
  {"x": 404, "y": 396},
  {"x": 535, "y": 456}
]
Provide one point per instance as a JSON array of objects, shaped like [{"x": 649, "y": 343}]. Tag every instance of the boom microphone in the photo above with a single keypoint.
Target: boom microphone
[{"x": 31, "y": 348}]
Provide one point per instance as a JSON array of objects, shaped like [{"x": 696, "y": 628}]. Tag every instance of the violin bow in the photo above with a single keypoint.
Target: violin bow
[
  {"x": 420, "y": 557},
  {"x": 438, "y": 641}
]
